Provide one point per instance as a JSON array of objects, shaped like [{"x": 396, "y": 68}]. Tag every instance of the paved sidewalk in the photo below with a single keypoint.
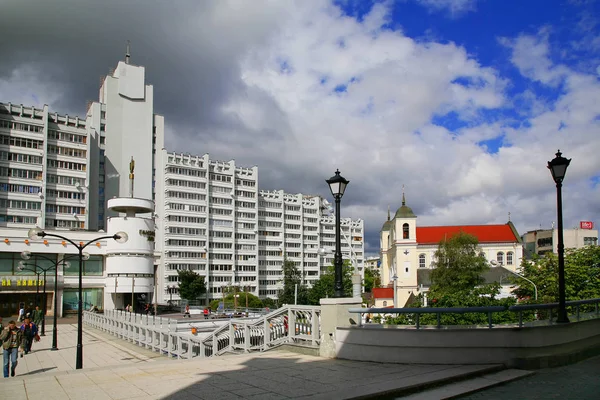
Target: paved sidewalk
[
  {"x": 99, "y": 350},
  {"x": 115, "y": 369}
]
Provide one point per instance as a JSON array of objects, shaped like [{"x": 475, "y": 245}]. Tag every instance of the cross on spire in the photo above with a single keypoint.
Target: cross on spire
[
  {"x": 127, "y": 53},
  {"x": 403, "y": 198}
]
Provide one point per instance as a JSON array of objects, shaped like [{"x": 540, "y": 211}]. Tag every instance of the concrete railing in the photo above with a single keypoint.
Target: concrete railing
[
  {"x": 267, "y": 332},
  {"x": 160, "y": 334},
  {"x": 535, "y": 344}
]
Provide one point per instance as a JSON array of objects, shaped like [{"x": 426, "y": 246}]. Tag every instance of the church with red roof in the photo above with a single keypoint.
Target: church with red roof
[{"x": 407, "y": 252}]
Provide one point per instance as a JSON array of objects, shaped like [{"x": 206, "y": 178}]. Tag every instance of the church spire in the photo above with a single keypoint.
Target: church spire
[
  {"x": 127, "y": 54},
  {"x": 388, "y": 212},
  {"x": 403, "y": 198}
]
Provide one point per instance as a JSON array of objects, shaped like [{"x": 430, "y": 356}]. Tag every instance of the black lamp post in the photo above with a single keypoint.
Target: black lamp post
[
  {"x": 26, "y": 255},
  {"x": 22, "y": 267},
  {"x": 558, "y": 167},
  {"x": 337, "y": 185},
  {"x": 120, "y": 237}
]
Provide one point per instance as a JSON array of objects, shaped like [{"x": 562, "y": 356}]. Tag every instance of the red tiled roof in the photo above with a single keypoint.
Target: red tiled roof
[
  {"x": 383, "y": 293},
  {"x": 484, "y": 233}
]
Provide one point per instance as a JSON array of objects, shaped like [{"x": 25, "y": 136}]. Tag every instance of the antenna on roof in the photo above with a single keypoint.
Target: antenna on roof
[
  {"x": 403, "y": 198},
  {"x": 128, "y": 53},
  {"x": 509, "y": 216}
]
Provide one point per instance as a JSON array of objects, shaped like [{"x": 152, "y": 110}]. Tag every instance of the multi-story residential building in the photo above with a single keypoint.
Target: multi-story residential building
[
  {"x": 373, "y": 262},
  {"x": 544, "y": 241},
  {"x": 208, "y": 223},
  {"x": 216, "y": 222},
  {"x": 44, "y": 159}
]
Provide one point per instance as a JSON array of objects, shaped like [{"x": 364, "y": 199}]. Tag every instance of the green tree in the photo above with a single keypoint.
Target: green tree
[
  {"x": 271, "y": 303},
  {"x": 253, "y": 301},
  {"x": 191, "y": 285},
  {"x": 582, "y": 275},
  {"x": 458, "y": 266},
  {"x": 324, "y": 287},
  {"x": 292, "y": 277},
  {"x": 372, "y": 279}
]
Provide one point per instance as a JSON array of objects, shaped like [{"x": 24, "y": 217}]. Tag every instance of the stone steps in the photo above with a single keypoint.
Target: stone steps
[{"x": 464, "y": 387}]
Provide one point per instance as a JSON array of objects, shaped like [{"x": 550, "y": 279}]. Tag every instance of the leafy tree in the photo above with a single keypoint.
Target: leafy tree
[
  {"x": 292, "y": 277},
  {"x": 372, "y": 279},
  {"x": 582, "y": 275},
  {"x": 191, "y": 285},
  {"x": 253, "y": 301},
  {"x": 458, "y": 266},
  {"x": 324, "y": 287},
  {"x": 270, "y": 303}
]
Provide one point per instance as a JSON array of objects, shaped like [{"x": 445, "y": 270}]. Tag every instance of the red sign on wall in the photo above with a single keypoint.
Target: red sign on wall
[{"x": 586, "y": 225}]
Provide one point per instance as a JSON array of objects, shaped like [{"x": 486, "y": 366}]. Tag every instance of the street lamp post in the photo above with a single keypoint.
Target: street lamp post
[
  {"x": 337, "y": 185},
  {"x": 26, "y": 255},
  {"x": 22, "y": 267},
  {"x": 558, "y": 168},
  {"x": 120, "y": 237}
]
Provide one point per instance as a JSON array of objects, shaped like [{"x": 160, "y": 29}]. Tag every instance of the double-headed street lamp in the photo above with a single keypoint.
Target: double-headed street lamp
[
  {"x": 120, "y": 237},
  {"x": 558, "y": 168},
  {"x": 26, "y": 255},
  {"x": 337, "y": 185}
]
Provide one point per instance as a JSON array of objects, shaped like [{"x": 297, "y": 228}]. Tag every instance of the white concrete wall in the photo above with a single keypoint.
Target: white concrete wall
[{"x": 512, "y": 347}]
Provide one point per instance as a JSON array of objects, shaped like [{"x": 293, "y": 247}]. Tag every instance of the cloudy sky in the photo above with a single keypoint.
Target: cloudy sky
[{"x": 462, "y": 101}]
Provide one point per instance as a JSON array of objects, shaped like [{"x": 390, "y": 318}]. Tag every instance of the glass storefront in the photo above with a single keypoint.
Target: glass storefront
[
  {"x": 92, "y": 296},
  {"x": 91, "y": 267}
]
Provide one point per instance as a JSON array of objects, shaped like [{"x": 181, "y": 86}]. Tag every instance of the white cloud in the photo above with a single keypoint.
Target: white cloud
[
  {"x": 455, "y": 7},
  {"x": 26, "y": 85},
  {"x": 530, "y": 54}
]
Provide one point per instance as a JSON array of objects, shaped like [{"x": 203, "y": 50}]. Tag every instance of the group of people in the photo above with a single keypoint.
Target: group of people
[
  {"x": 17, "y": 340},
  {"x": 36, "y": 316},
  {"x": 186, "y": 313}
]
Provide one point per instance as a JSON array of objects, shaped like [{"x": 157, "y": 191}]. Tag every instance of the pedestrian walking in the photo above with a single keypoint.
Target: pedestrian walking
[
  {"x": 12, "y": 342},
  {"x": 187, "y": 311},
  {"x": 21, "y": 316},
  {"x": 38, "y": 316},
  {"x": 206, "y": 312},
  {"x": 30, "y": 334}
]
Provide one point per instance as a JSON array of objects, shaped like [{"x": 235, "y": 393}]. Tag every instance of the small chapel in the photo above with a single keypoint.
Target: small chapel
[{"x": 407, "y": 253}]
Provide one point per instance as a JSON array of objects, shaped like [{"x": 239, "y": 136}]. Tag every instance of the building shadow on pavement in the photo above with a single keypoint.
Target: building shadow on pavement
[{"x": 290, "y": 375}]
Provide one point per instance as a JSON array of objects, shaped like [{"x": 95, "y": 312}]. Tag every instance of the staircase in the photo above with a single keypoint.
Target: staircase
[{"x": 292, "y": 325}]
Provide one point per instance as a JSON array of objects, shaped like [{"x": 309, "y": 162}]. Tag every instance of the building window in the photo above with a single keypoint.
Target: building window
[
  {"x": 405, "y": 231},
  {"x": 421, "y": 260},
  {"x": 500, "y": 257},
  {"x": 590, "y": 241},
  {"x": 509, "y": 258},
  {"x": 91, "y": 267},
  {"x": 385, "y": 303},
  {"x": 90, "y": 297}
]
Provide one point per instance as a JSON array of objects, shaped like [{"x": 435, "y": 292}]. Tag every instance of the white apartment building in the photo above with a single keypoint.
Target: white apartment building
[
  {"x": 44, "y": 160},
  {"x": 216, "y": 222},
  {"x": 208, "y": 223}
]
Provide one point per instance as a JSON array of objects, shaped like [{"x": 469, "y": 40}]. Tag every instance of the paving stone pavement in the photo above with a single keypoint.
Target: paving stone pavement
[
  {"x": 577, "y": 381},
  {"x": 116, "y": 369}
]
